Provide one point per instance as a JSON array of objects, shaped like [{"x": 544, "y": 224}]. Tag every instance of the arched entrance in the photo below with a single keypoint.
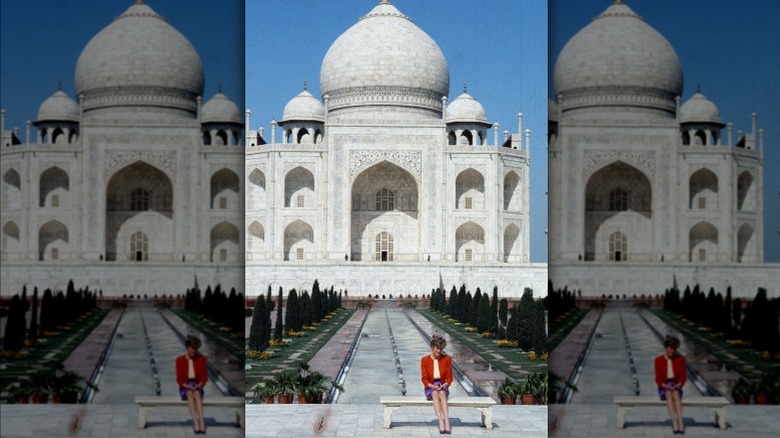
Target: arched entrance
[
  {"x": 618, "y": 197},
  {"x": 384, "y": 200}
]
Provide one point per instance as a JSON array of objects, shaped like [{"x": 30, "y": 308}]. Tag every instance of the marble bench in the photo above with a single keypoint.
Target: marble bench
[
  {"x": 391, "y": 404},
  {"x": 147, "y": 403},
  {"x": 626, "y": 403}
]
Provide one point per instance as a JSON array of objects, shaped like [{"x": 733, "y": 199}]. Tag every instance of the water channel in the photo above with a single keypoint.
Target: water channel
[{"x": 374, "y": 372}]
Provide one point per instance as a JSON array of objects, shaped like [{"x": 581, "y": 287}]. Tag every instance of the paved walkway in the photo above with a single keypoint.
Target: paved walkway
[
  {"x": 104, "y": 420},
  {"x": 366, "y": 421},
  {"x": 599, "y": 421}
]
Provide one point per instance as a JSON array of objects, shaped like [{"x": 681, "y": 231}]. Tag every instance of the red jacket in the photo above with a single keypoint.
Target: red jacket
[
  {"x": 445, "y": 369},
  {"x": 182, "y": 370},
  {"x": 678, "y": 367}
]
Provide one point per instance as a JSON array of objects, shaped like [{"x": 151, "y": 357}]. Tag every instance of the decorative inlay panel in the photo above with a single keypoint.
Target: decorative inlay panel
[
  {"x": 117, "y": 159},
  {"x": 361, "y": 159},
  {"x": 595, "y": 159}
]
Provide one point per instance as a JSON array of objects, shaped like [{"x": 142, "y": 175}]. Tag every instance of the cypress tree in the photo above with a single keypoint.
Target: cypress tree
[
  {"x": 316, "y": 302},
  {"x": 512, "y": 326},
  {"x": 34, "y": 316},
  {"x": 452, "y": 303},
  {"x": 538, "y": 332},
  {"x": 292, "y": 315},
  {"x": 256, "y": 328},
  {"x": 14, "y": 339},
  {"x": 463, "y": 306},
  {"x": 525, "y": 313},
  {"x": 736, "y": 314},
  {"x": 306, "y": 309},
  {"x": 474, "y": 314},
  {"x": 278, "y": 327},
  {"x": 484, "y": 318},
  {"x": 269, "y": 300},
  {"x": 503, "y": 308},
  {"x": 494, "y": 312}
]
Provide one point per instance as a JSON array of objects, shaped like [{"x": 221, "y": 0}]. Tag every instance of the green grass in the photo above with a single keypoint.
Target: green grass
[
  {"x": 229, "y": 341},
  {"x": 302, "y": 349},
  {"x": 515, "y": 363},
  {"x": 565, "y": 324},
  {"x": 744, "y": 360},
  {"x": 51, "y": 350}
]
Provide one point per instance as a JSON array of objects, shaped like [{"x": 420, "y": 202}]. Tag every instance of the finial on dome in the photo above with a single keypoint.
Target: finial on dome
[
  {"x": 698, "y": 87},
  {"x": 304, "y": 85},
  {"x": 219, "y": 87},
  {"x": 59, "y": 85},
  {"x": 384, "y": 2},
  {"x": 465, "y": 87},
  {"x": 139, "y": 2},
  {"x": 618, "y": 2}
]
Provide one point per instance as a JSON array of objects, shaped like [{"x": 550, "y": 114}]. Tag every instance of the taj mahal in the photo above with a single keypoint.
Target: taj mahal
[
  {"x": 648, "y": 190},
  {"x": 133, "y": 185},
  {"x": 384, "y": 184}
]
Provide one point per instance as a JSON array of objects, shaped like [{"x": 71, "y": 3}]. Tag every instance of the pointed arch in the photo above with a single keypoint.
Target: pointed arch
[
  {"x": 53, "y": 241},
  {"x": 12, "y": 189},
  {"x": 224, "y": 243},
  {"x": 703, "y": 243},
  {"x": 746, "y": 192},
  {"x": 512, "y": 192},
  {"x": 255, "y": 241},
  {"x": 10, "y": 242},
  {"x": 703, "y": 190},
  {"x": 224, "y": 190},
  {"x": 470, "y": 190},
  {"x": 54, "y": 186},
  {"x": 299, "y": 188},
  {"x": 513, "y": 247},
  {"x": 298, "y": 241},
  {"x": 746, "y": 244},
  {"x": 257, "y": 191},
  {"x": 469, "y": 242}
]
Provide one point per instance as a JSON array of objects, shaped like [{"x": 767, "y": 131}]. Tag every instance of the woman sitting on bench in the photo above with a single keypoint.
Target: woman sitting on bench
[
  {"x": 436, "y": 370},
  {"x": 191, "y": 376},
  {"x": 670, "y": 377}
]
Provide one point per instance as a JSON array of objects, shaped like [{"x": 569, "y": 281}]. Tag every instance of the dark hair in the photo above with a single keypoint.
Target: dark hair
[
  {"x": 193, "y": 342},
  {"x": 438, "y": 341},
  {"x": 671, "y": 341}
]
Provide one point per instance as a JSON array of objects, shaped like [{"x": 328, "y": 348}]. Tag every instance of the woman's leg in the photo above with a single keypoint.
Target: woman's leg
[
  {"x": 198, "y": 402},
  {"x": 671, "y": 408},
  {"x": 437, "y": 408},
  {"x": 193, "y": 410},
  {"x": 677, "y": 406},
  {"x": 445, "y": 411}
]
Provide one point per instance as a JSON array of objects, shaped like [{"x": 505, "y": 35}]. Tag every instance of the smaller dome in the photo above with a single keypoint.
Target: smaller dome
[
  {"x": 220, "y": 109},
  {"x": 552, "y": 110},
  {"x": 699, "y": 109},
  {"x": 58, "y": 107},
  {"x": 465, "y": 109},
  {"x": 304, "y": 106}
]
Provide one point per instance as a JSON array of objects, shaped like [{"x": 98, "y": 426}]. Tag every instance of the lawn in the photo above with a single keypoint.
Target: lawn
[
  {"x": 301, "y": 349},
  {"x": 50, "y": 350},
  {"x": 516, "y": 362},
  {"x": 558, "y": 330}
]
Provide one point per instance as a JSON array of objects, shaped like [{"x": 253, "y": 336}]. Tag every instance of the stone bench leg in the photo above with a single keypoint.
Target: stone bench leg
[
  {"x": 621, "y": 416},
  {"x": 387, "y": 414},
  {"x": 143, "y": 411},
  {"x": 240, "y": 417},
  {"x": 720, "y": 417},
  {"x": 487, "y": 417}
]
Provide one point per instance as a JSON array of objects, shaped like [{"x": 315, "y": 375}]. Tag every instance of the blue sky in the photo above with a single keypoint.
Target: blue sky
[
  {"x": 731, "y": 48},
  {"x": 40, "y": 43},
  {"x": 498, "y": 47}
]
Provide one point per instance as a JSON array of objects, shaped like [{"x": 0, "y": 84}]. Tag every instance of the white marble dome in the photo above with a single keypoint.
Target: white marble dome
[
  {"x": 220, "y": 109},
  {"x": 59, "y": 107},
  {"x": 618, "y": 49},
  {"x": 304, "y": 106},
  {"x": 139, "y": 49},
  {"x": 465, "y": 109},
  {"x": 385, "y": 57},
  {"x": 552, "y": 110},
  {"x": 699, "y": 109}
]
